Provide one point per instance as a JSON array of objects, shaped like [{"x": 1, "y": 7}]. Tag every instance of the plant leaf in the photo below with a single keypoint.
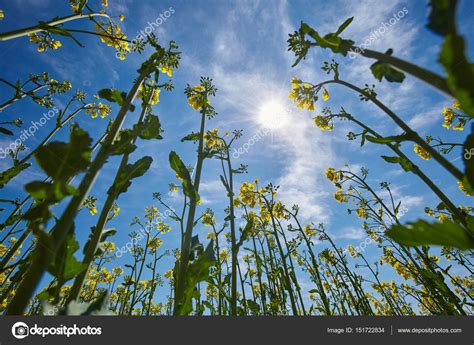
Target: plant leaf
[
  {"x": 10, "y": 173},
  {"x": 420, "y": 233},
  {"x": 404, "y": 163},
  {"x": 115, "y": 96},
  {"x": 124, "y": 178},
  {"x": 182, "y": 172},
  {"x": 381, "y": 70},
  {"x": 442, "y": 16}
]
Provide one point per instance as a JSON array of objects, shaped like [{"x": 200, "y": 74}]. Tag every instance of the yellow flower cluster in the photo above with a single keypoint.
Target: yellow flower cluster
[
  {"x": 302, "y": 94},
  {"x": 420, "y": 151},
  {"x": 154, "y": 243},
  {"x": 247, "y": 194},
  {"x": 463, "y": 188},
  {"x": 198, "y": 98},
  {"x": 155, "y": 97},
  {"x": 340, "y": 197},
  {"x": 450, "y": 115},
  {"x": 151, "y": 213},
  {"x": 332, "y": 175},
  {"x": 44, "y": 43},
  {"x": 323, "y": 123},
  {"x": 58, "y": 87},
  {"x": 169, "y": 274},
  {"x": 279, "y": 210},
  {"x": 95, "y": 110},
  {"x": 223, "y": 255},
  {"x": 361, "y": 212},
  {"x": 89, "y": 203},
  {"x": 112, "y": 35},
  {"x": 166, "y": 70},
  {"x": 208, "y": 219},
  {"x": 309, "y": 231},
  {"x": 212, "y": 140},
  {"x": 265, "y": 214}
]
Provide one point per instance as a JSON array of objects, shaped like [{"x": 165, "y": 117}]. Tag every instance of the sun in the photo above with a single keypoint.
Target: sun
[{"x": 273, "y": 114}]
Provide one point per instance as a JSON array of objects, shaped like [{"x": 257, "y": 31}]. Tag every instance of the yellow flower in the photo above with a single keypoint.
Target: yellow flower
[
  {"x": 340, "y": 197},
  {"x": 166, "y": 70},
  {"x": 93, "y": 210},
  {"x": 3, "y": 249},
  {"x": 421, "y": 152},
  {"x": 155, "y": 98},
  {"x": 169, "y": 274},
  {"x": 236, "y": 202},
  {"x": 295, "y": 83},
  {"x": 279, "y": 210},
  {"x": 105, "y": 3},
  {"x": 197, "y": 99},
  {"x": 443, "y": 217},
  {"x": 309, "y": 231},
  {"x": 456, "y": 105},
  {"x": 56, "y": 44},
  {"x": 2, "y": 15},
  {"x": 212, "y": 140},
  {"x": 361, "y": 213},
  {"x": 100, "y": 109},
  {"x": 154, "y": 244},
  {"x": 247, "y": 194},
  {"x": 332, "y": 175},
  {"x": 121, "y": 17},
  {"x": 115, "y": 211},
  {"x": 34, "y": 38},
  {"x": 463, "y": 188},
  {"x": 75, "y": 8},
  {"x": 265, "y": 214},
  {"x": 458, "y": 127},
  {"x": 323, "y": 122},
  {"x": 325, "y": 95},
  {"x": 109, "y": 247},
  {"x": 448, "y": 117},
  {"x": 352, "y": 251},
  {"x": 208, "y": 219},
  {"x": 223, "y": 255}
]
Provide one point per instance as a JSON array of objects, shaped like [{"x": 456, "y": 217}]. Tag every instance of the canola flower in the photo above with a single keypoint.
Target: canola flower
[
  {"x": 198, "y": 98},
  {"x": 212, "y": 140},
  {"x": 166, "y": 70},
  {"x": 323, "y": 122},
  {"x": 302, "y": 94},
  {"x": 94, "y": 110},
  {"x": 463, "y": 188},
  {"x": 420, "y": 151},
  {"x": 340, "y": 197},
  {"x": 112, "y": 35},
  {"x": 332, "y": 175},
  {"x": 247, "y": 194},
  {"x": 208, "y": 219}
]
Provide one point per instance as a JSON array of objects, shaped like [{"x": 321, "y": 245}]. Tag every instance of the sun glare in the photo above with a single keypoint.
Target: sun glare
[{"x": 273, "y": 115}]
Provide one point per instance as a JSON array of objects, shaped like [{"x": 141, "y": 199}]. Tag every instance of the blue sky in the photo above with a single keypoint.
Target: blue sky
[{"x": 242, "y": 46}]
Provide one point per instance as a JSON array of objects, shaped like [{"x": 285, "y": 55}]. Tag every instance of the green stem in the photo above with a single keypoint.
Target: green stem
[
  {"x": 412, "y": 134},
  {"x": 180, "y": 284},
  {"x": 37, "y": 28},
  {"x": 39, "y": 264}
]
